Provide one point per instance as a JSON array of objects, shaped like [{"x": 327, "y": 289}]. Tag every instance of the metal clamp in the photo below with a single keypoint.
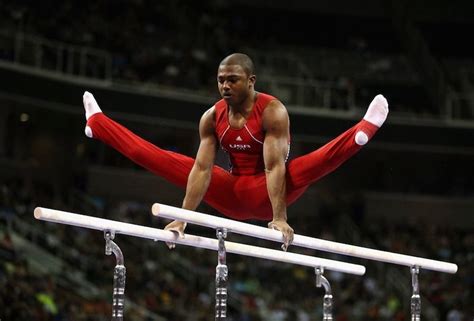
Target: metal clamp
[
  {"x": 118, "y": 300},
  {"x": 321, "y": 281},
  {"x": 415, "y": 303},
  {"x": 221, "y": 276}
]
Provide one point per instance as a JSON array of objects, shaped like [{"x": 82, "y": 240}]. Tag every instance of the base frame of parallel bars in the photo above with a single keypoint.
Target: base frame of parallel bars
[
  {"x": 415, "y": 302},
  {"x": 118, "y": 299},
  {"x": 221, "y": 276}
]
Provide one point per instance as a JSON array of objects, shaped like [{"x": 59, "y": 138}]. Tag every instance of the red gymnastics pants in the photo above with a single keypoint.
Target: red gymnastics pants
[{"x": 238, "y": 197}]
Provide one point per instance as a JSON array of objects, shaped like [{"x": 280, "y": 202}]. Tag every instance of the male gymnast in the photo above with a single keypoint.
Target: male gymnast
[{"x": 254, "y": 129}]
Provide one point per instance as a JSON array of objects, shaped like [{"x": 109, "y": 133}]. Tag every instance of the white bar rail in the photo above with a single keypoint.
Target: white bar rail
[
  {"x": 212, "y": 221},
  {"x": 101, "y": 224}
]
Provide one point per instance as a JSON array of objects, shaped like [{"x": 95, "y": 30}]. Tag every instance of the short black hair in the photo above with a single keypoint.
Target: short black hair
[{"x": 242, "y": 60}]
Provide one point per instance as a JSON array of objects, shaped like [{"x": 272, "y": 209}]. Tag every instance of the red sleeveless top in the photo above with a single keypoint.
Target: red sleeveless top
[{"x": 244, "y": 145}]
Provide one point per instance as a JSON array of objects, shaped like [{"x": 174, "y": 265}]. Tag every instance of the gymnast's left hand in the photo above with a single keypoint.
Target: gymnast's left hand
[
  {"x": 285, "y": 229},
  {"x": 176, "y": 227}
]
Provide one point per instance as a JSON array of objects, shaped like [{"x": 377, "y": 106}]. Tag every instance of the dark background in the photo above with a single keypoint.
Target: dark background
[{"x": 151, "y": 65}]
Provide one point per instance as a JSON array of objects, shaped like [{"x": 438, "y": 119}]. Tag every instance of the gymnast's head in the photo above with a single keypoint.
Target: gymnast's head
[{"x": 236, "y": 77}]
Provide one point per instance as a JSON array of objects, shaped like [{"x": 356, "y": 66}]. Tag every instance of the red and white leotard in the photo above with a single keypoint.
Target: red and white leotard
[{"x": 244, "y": 145}]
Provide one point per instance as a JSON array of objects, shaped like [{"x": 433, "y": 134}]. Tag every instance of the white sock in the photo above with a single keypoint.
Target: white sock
[
  {"x": 377, "y": 111},
  {"x": 90, "y": 105},
  {"x": 376, "y": 114}
]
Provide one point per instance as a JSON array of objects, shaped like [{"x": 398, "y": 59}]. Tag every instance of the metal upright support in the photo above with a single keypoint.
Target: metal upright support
[
  {"x": 221, "y": 277},
  {"x": 415, "y": 298},
  {"x": 119, "y": 276},
  {"x": 327, "y": 301}
]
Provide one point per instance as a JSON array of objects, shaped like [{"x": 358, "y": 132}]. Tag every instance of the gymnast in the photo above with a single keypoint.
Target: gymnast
[{"x": 253, "y": 128}]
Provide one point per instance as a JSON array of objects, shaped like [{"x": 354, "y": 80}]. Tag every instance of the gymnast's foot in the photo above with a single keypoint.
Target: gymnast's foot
[
  {"x": 91, "y": 107},
  {"x": 376, "y": 114}
]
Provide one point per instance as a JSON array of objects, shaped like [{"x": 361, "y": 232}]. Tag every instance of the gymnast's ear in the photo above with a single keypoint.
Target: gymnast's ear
[{"x": 252, "y": 80}]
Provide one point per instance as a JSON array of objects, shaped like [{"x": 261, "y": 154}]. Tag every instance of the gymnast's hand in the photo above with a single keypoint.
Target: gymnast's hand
[
  {"x": 285, "y": 229},
  {"x": 177, "y": 227}
]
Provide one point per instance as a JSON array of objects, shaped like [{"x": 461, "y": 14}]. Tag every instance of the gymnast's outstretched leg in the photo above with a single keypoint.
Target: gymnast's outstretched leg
[
  {"x": 307, "y": 169},
  {"x": 171, "y": 166}
]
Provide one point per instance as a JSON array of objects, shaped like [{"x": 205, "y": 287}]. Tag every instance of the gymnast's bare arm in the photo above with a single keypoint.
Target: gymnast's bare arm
[
  {"x": 276, "y": 124},
  {"x": 200, "y": 175}
]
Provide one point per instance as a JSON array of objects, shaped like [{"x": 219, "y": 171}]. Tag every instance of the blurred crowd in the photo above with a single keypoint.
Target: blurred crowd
[
  {"x": 179, "y": 44},
  {"x": 179, "y": 284},
  {"x": 170, "y": 42}
]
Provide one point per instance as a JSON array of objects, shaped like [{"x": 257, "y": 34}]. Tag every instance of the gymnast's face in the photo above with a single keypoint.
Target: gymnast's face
[{"x": 234, "y": 84}]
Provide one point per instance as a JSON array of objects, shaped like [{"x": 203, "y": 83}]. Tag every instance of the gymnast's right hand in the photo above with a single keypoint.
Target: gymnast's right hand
[{"x": 176, "y": 227}]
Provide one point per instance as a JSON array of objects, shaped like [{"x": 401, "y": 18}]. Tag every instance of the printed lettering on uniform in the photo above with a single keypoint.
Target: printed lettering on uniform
[{"x": 240, "y": 146}]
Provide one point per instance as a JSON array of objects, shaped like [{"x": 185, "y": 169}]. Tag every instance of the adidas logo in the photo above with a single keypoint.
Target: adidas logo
[{"x": 239, "y": 139}]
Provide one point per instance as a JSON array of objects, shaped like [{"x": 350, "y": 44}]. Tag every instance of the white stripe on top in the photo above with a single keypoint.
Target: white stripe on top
[
  {"x": 252, "y": 135},
  {"x": 222, "y": 137}
]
